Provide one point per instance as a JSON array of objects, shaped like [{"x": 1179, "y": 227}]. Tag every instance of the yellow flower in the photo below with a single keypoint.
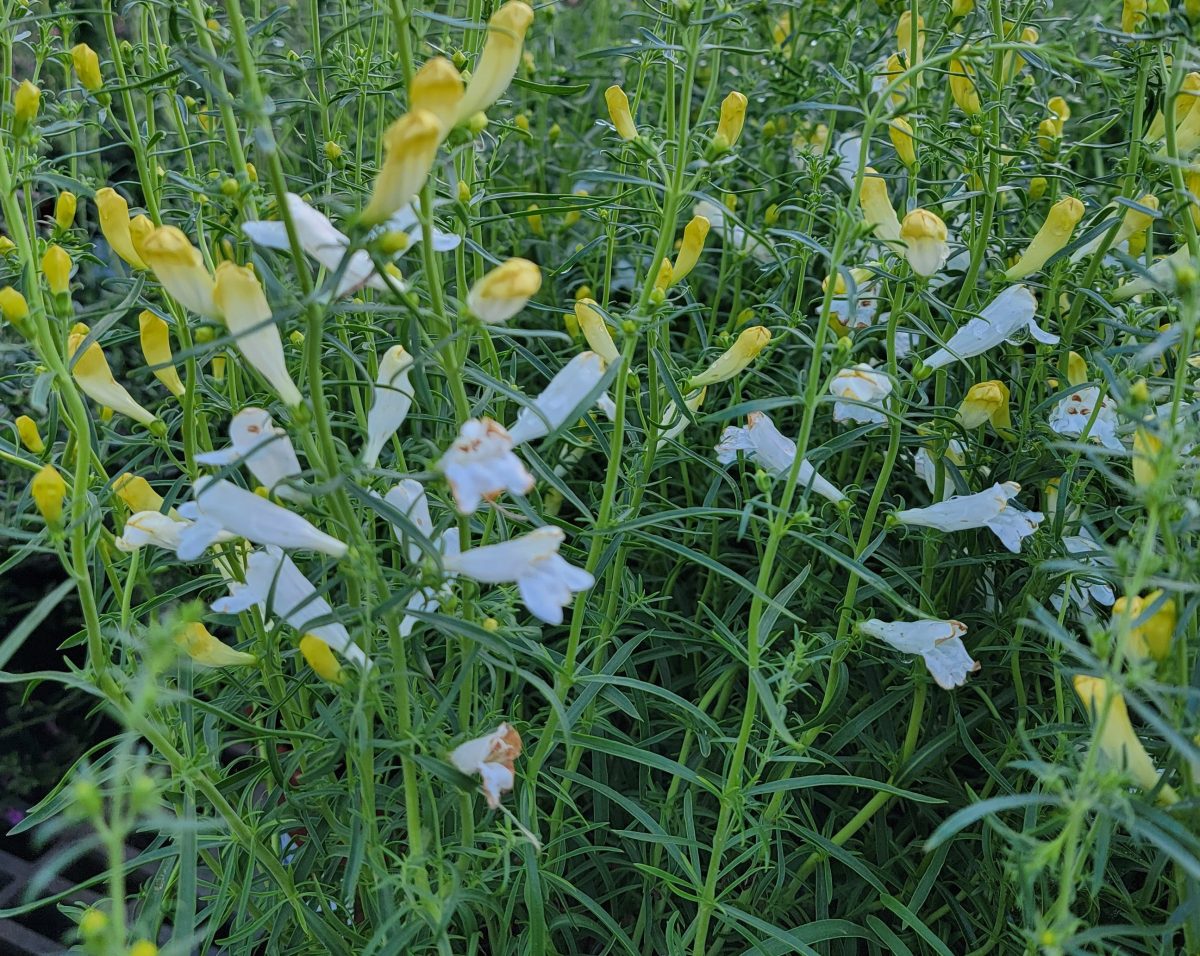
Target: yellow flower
[
  {"x": 143, "y": 947},
  {"x": 694, "y": 234},
  {"x": 156, "y": 347},
  {"x": 924, "y": 236},
  {"x": 662, "y": 281},
  {"x": 87, "y": 67},
  {"x": 410, "y": 145},
  {"x": 437, "y": 88},
  {"x": 136, "y": 493},
  {"x": 1133, "y": 15},
  {"x": 49, "y": 491},
  {"x": 901, "y": 134},
  {"x": 1136, "y": 222},
  {"x": 618, "y": 112},
  {"x": 321, "y": 659},
  {"x": 733, "y": 118},
  {"x": 56, "y": 267},
  {"x": 504, "y": 291},
  {"x": 960, "y": 8},
  {"x": 893, "y": 69},
  {"x": 196, "y": 641},
  {"x": 180, "y": 268},
  {"x": 1147, "y": 447},
  {"x": 114, "y": 223},
  {"x": 499, "y": 60},
  {"x": 1037, "y": 187},
  {"x": 962, "y": 88},
  {"x": 595, "y": 330},
  {"x": 1055, "y": 233},
  {"x": 535, "y": 221},
  {"x": 1013, "y": 62},
  {"x": 25, "y": 103},
  {"x": 95, "y": 378},
  {"x": 30, "y": 437},
  {"x": 877, "y": 207},
  {"x": 1077, "y": 370},
  {"x": 1115, "y": 738},
  {"x": 1149, "y": 633},
  {"x": 240, "y": 299},
  {"x": 752, "y": 341},
  {"x": 1189, "y": 92},
  {"x": 141, "y": 228},
  {"x": 15, "y": 309},
  {"x": 904, "y": 36},
  {"x": 64, "y": 209},
  {"x": 986, "y": 402},
  {"x": 1061, "y": 112}
]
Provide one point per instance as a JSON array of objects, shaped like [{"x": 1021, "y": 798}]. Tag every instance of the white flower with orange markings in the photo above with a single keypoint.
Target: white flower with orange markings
[
  {"x": 861, "y": 391},
  {"x": 481, "y": 465},
  {"x": 939, "y": 643},
  {"x": 492, "y": 756},
  {"x": 266, "y": 450}
]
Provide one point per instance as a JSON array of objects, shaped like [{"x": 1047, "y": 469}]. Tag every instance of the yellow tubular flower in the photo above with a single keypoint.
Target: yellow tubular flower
[
  {"x": 410, "y": 145},
  {"x": 1136, "y": 221},
  {"x": 1077, "y": 371},
  {"x": 87, "y": 67},
  {"x": 321, "y": 659},
  {"x": 241, "y": 301},
  {"x": 1147, "y": 447},
  {"x": 437, "y": 88},
  {"x": 1014, "y": 63},
  {"x": 180, "y": 268},
  {"x": 30, "y": 437},
  {"x": 694, "y": 234},
  {"x": 986, "y": 402},
  {"x": 1115, "y": 738},
  {"x": 13, "y": 306},
  {"x": 733, "y": 118},
  {"x": 962, "y": 88},
  {"x": 64, "y": 209},
  {"x": 1133, "y": 15},
  {"x": 893, "y": 69},
  {"x": 904, "y": 37},
  {"x": 49, "y": 491},
  {"x": 26, "y": 101},
  {"x": 95, "y": 378},
  {"x": 499, "y": 60},
  {"x": 595, "y": 330},
  {"x": 1189, "y": 92},
  {"x": 195, "y": 641},
  {"x": 924, "y": 236},
  {"x": 504, "y": 291},
  {"x": 901, "y": 134},
  {"x": 1055, "y": 233},
  {"x": 1149, "y": 634},
  {"x": 114, "y": 223},
  {"x": 662, "y": 281},
  {"x": 136, "y": 493},
  {"x": 156, "y": 347},
  {"x": 877, "y": 207},
  {"x": 1060, "y": 110},
  {"x": 618, "y": 112},
  {"x": 56, "y": 267},
  {"x": 752, "y": 341}
]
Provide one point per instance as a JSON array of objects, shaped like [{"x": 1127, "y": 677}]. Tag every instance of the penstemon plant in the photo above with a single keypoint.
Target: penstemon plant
[{"x": 695, "y": 477}]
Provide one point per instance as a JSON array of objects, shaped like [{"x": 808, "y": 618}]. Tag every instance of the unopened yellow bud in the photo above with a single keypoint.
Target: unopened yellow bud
[
  {"x": 504, "y": 291},
  {"x": 13, "y": 306},
  {"x": 877, "y": 207},
  {"x": 733, "y": 119},
  {"x": 583, "y": 292},
  {"x": 1055, "y": 233},
  {"x": 156, "y": 347},
  {"x": 1147, "y": 450},
  {"x": 1077, "y": 370},
  {"x": 554, "y": 132},
  {"x": 26, "y": 101},
  {"x": 7, "y": 246},
  {"x": 56, "y": 267},
  {"x": 986, "y": 402},
  {"x": 901, "y": 135},
  {"x": 321, "y": 659},
  {"x": 1133, "y": 16},
  {"x": 962, "y": 88},
  {"x": 93, "y": 922},
  {"x": 925, "y": 240},
  {"x": 1139, "y": 391},
  {"x": 619, "y": 113},
  {"x": 535, "y": 221},
  {"x": 739, "y": 355},
  {"x": 87, "y": 67},
  {"x": 464, "y": 192},
  {"x": 904, "y": 37},
  {"x": 49, "y": 491},
  {"x": 1115, "y": 740},
  {"x": 595, "y": 330},
  {"x": 64, "y": 209},
  {"x": 521, "y": 121},
  {"x": 694, "y": 234},
  {"x": 662, "y": 281},
  {"x": 218, "y": 367},
  {"x": 136, "y": 493},
  {"x": 30, "y": 437},
  {"x": 1037, "y": 187},
  {"x": 961, "y": 8},
  {"x": 115, "y": 224},
  {"x": 333, "y": 152},
  {"x": 143, "y": 947},
  {"x": 251, "y": 173},
  {"x": 771, "y": 215}
]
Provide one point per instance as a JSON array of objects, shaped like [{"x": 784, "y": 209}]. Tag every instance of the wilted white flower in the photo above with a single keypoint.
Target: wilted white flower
[
  {"x": 481, "y": 464},
  {"x": 986, "y": 509},
  {"x": 491, "y": 756},
  {"x": 544, "y": 579},
  {"x": 1071, "y": 416},
  {"x": 266, "y": 450},
  {"x": 762, "y": 442},
  {"x": 1003, "y": 318},
  {"x": 861, "y": 390},
  {"x": 390, "y": 402},
  {"x": 938, "y": 642},
  {"x": 559, "y": 399}
]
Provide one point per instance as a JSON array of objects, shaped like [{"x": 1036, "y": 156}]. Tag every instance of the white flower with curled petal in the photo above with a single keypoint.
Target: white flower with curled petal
[
  {"x": 266, "y": 450},
  {"x": 544, "y": 579},
  {"x": 1070, "y": 417},
  {"x": 390, "y": 402},
  {"x": 938, "y": 642},
  {"x": 986, "y": 509},
  {"x": 1011, "y": 312},
  {"x": 481, "y": 465},
  {"x": 428, "y": 599},
  {"x": 762, "y": 442},
  {"x": 862, "y": 391},
  {"x": 566, "y": 391},
  {"x": 492, "y": 757},
  {"x": 220, "y": 505},
  {"x": 279, "y": 589}
]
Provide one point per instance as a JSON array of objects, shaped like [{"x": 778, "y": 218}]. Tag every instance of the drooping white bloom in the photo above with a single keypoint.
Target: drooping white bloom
[
  {"x": 1003, "y": 318},
  {"x": 938, "y": 642},
  {"x": 481, "y": 464},
  {"x": 491, "y": 756},
  {"x": 561, "y": 397},
  {"x": 1083, "y": 586},
  {"x": 927, "y": 469},
  {"x": 732, "y": 233},
  {"x": 861, "y": 390},
  {"x": 408, "y": 497},
  {"x": 1071, "y": 416},
  {"x": 279, "y": 589},
  {"x": 761, "y": 441},
  {"x": 390, "y": 402},
  {"x": 220, "y": 505},
  {"x": 266, "y": 450},
  {"x": 544, "y": 579},
  {"x": 429, "y": 599},
  {"x": 986, "y": 509}
]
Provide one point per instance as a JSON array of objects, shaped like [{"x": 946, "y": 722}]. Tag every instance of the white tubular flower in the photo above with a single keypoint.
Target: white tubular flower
[
  {"x": 279, "y": 589},
  {"x": 491, "y": 756},
  {"x": 408, "y": 497},
  {"x": 1071, "y": 416},
  {"x": 925, "y": 240},
  {"x": 220, "y": 505},
  {"x": 927, "y": 469},
  {"x": 986, "y": 509},
  {"x": 559, "y": 399},
  {"x": 1083, "y": 586},
  {"x": 428, "y": 600},
  {"x": 861, "y": 390},
  {"x": 481, "y": 464},
  {"x": 390, "y": 402},
  {"x": 150, "y": 527},
  {"x": 249, "y": 319},
  {"x": 266, "y": 450},
  {"x": 938, "y": 642},
  {"x": 1012, "y": 311},
  {"x": 1160, "y": 276},
  {"x": 762, "y": 442},
  {"x": 855, "y": 305},
  {"x": 544, "y": 579},
  {"x": 731, "y": 232}
]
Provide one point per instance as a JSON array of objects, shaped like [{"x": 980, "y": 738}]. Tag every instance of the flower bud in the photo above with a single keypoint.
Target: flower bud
[
  {"x": 1055, "y": 233},
  {"x": 333, "y": 152},
  {"x": 962, "y": 88},
  {"x": 739, "y": 355},
  {"x": 986, "y": 402},
  {"x": 321, "y": 659},
  {"x": 924, "y": 236},
  {"x": 694, "y": 234},
  {"x": 156, "y": 347},
  {"x": 901, "y": 135},
  {"x": 595, "y": 330},
  {"x": 49, "y": 491},
  {"x": 26, "y": 101},
  {"x": 733, "y": 118},
  {"x": 504, "y": 291},
  {"x": 904, "y": 36},
  {"x": 251, "y": 173},
  {"x": 1149, "y": 633},
  {"x": 93, "y": 923},
  {"x": 1133, "y": 16},
  {"x": 30, "y": 437},
  {"x": 662, "y": 281},
  {"x": 7, "y": 246},
  {"x": 535, "y": 221},
  {"x": 180, "y": 267},
  {"x": 618, "y": 112},
  {"x": 437, "y": 88},
  {"x": 87, "y": 67},
  {"x": 13, "y": 307},
  {"x": 56, "y": 267},
  {"x": 877, "y": 207},
  {"x": 961, "y": 8},
  {"x": 1037, "y": 187},
  {"x": 143, "y": 947},
  {"x": 64, "y": 209},
  {"x": 1147, "y": 449}
]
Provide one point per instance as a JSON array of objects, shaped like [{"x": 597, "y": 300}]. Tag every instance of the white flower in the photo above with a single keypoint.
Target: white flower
[
  {"x": 732, "y": 233},
  {"x": 279, "y": 589},
  {"x": 761, "y": 441},
  {"x": 544, "y": 579},
  {"x": 927, "y": 469},
  {"x": 481, "y": 464},
  {"x": 862, "y": 391},
  {"x": 408, "y": 498},
  {"x": 847, "y": 147},
  {"x": 938, "y": 642},
  {"x": 986, "y": 509},
  {"x": 491, "y": 756},
  {"x": 1161, "y": 275},
  {"x": 1002, "y": 319},
  {"x": 1071, "y": 415},
  {"x": 220, "y": 505},
  {"x": 559, "y": 399},
  {"x": 266, "y": 450},
  {"x": 390, "y": 402},
  {"x": 429, "y": 599},
  {"x": 858, "y": 307},
  {"x": 1082, "y": 585}
]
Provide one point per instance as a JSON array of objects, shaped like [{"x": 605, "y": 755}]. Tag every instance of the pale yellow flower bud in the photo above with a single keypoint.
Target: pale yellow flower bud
[
  {"x": 141, "y": 228},
  {"x": 180, "y": 268},
  {"x": 95, "y": 379},
  {"x": 986, "y": 402},
  {"x": 1147, "y": 449},
  {"x": 87, "y": 67},
  {"x": 26, "y": 101},
  {"x": 1077, "y": 370},
  {"x": 1133, "y": 16},
  {"x": 961, "y": 8},
  {"x": 504, "y": 291},
  {"x": 893, "y": 69},
  {"x": 437, "y": 88},
  {"x": 321, "y": 659},
  {"x": 64, "y": 209},
  {"x": 1037, "y": 187},
  {"x": 734, "y": 359},
  {"x": 535, "y": 221},
  {"x": 733, "y": 118},
  {"x": 694, "y": 234},
  {"x": 925, "y": 236},
  {"x": 877, "y": 207},
  {"x": 1136, "y": 222},
  {"x": 195, "y": 640},
  {"x": 1149, "y": 635},
  {"x": 962, "y": 88},
  {"x": 1055, "y": 233},
  {"x": 1189, "y": 92},
  {"x": 30, "y": 437},
  {"x": 618, "y": 112},
  {"x": 498, "y": 62},
  {"x": 410, "y": 145},
  {"x": 595, "y": 330},
  {"x": 114, "y": 223},
  {"x": 904, "y": 37},
  {"x": 137, "y": 495},
  {"x": 662, "y": 281},
  {"x": 56, "y": 267},
  {"x": 7, "y": 246},
  {"x": 49, "y": 491},
  {"x": 901, "y": 134},
  {"x": 156, "y": 347}
]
